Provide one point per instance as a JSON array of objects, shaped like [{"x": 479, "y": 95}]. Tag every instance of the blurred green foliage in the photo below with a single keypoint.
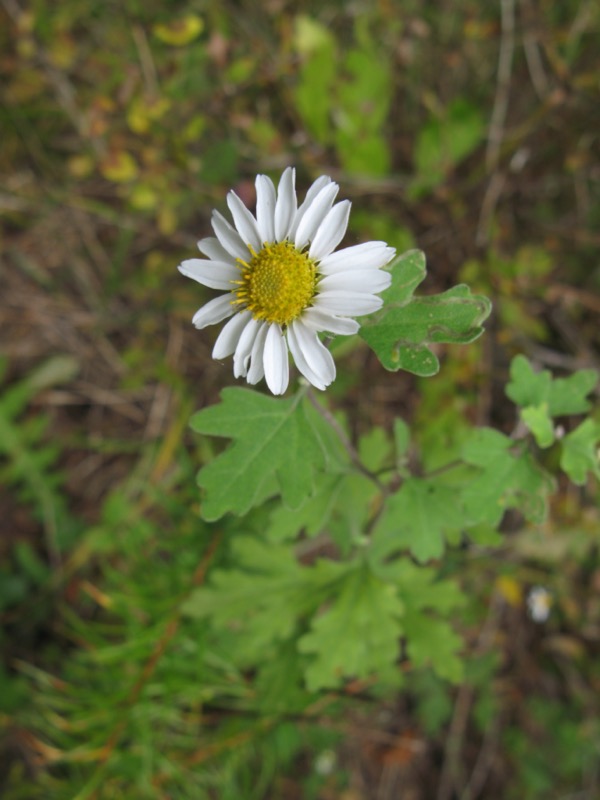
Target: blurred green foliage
[{"x": 126, "y": 672}]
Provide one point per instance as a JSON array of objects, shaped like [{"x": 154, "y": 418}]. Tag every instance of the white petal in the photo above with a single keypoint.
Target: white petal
[
  {"x": 277, "y": 370},
  {"x": 257, "y": 370},
  {"x": 229, "y": 237},
  {"x": 346, "y": 303},
  {"x": 241, "y": 356},
  {"x": 244, "y": 222},
  {"x": 285, "y": 208},
  {"x": 331, "y": 231},
  {"x": 213, "y": 249},
  {"x": 320, "y": 321},
  {"x": 229, "y": 337},
  {"x": 266, "y": 198},
  {"x": 316, "y": 356},
  {"x": 369, "y": 255},
  {"x": 300, "y": 360},
  {"x": 214, "y": 311},
  {"x": 315, "y": 214},
  {"x": 314, "y": 189},
  {"x": 214, "y": 274},
  {"x": 312, "y": 192},
  {"x": 369, "y": 281}
]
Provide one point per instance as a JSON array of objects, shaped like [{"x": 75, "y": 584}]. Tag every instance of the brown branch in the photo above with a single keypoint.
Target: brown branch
[{"x": 498, "y": 120}]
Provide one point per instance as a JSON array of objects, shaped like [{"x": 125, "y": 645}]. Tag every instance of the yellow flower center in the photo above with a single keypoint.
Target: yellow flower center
[{"x": 277, "y": 284}]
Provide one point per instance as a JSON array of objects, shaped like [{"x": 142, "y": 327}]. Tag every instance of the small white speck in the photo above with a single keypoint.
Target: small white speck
[
  {"x": 325, "y": 762},
  {"x": 539, "y": 603}
]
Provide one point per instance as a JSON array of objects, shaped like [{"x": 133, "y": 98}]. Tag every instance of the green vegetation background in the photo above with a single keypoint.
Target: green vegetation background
[{"x": 469, "y": 130}]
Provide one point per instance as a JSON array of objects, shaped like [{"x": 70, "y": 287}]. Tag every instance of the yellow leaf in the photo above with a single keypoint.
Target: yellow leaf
[
  {"x": 25, "y": 22},
  {"x": 510, "y": 590},
  {"x": 80, "y": 166},
  {"x": 143, "y": 197},
  {"x": 167, "y": 221},
  {"x": 119, "y": 167},
  {"x": 137, "y": 119},
  {"x": 181, "y": 31},
  {"x": 195, "y": 128},
  {"x": 564, "y": 645},
  {"x": 310, "y": 35},
  {"x": 142, "y": 113},
  {"x": 26, "y": 47},
  {"x": 62, "y": 52}
]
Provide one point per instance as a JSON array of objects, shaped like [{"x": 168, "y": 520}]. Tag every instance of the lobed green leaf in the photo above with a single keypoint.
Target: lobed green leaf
[
  {"x": 539, "y": 423},
  {"x": 581, "y": 452},
  {"x": 508, "y": 478},
  {"x": 433, "y": 642},
  {"x": 357, "y": 635},
  {"x": 286, "y": 523},
  {"x": 419, "y": 517},
  {"x": 272, "y": 438},
  {"x": 427, "y": 601},
  {"x": 263, "y": 595},
  {"x": 562, "y": 395},
  {"x": 400, "y": 334},
  {"x": 444, "y": 142}
]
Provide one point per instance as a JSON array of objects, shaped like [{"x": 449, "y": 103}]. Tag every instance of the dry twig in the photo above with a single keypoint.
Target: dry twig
[{"x": 498, "y": 120}]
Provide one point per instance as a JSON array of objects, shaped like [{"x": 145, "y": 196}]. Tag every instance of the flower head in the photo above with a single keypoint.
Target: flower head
[
  {"x": 539, "y": 603},
  {"x": 283, "y": 281}
]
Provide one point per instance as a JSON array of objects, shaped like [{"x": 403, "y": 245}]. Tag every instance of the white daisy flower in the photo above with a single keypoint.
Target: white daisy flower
[
  {"x": 284, "y": 283},
  {"x": 539, "y": 603}
]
